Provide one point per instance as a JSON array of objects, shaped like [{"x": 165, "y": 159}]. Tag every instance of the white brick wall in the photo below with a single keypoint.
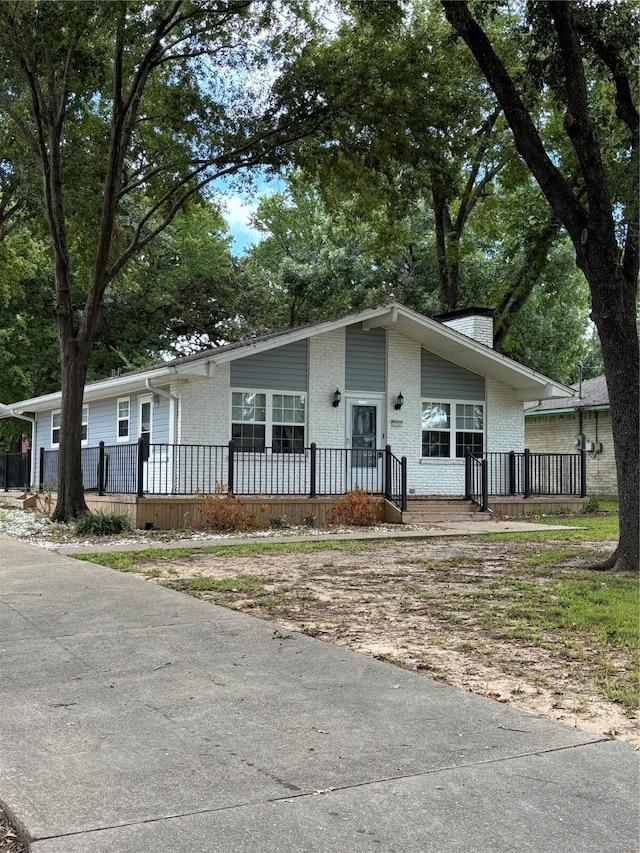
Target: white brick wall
[
  {"x": 205, "y": 409},
  {"x": 478, "y": 328},
  {"x": 326, "y": 373},
  {"x": 505, "y": 420},
  {"x": 403, "y": 375}
]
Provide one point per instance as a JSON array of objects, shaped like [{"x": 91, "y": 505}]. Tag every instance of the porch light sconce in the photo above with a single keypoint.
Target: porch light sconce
[
  {"x": 337, "y": 396},
  {"x": 399, "y": 402}
]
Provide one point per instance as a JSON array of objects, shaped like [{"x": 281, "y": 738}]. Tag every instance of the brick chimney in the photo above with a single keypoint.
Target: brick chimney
[{"x": 476, "y": 323}]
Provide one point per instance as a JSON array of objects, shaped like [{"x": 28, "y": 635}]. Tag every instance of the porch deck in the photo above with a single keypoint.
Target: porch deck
[{"x": 174, "y": 513}]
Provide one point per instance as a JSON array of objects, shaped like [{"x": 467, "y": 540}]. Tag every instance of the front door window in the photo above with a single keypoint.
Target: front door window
[
  {"x": 363, "y": 436},
  {"x": 146, "y": 422}
]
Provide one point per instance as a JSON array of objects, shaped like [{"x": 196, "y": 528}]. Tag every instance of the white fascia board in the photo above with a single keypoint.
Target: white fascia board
[
  {"x": 531, "y": 413},
  {"x": 114, "y": 386},
  {"x": 464, "y": 351}
]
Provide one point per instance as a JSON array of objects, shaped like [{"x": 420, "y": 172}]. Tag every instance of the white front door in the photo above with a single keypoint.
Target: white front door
[{"x": 364, "y": 443}]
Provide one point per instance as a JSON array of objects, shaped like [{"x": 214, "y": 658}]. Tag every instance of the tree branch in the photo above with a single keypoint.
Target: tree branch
[
  {"x": 577, "y": 121},
  {"x": 556, "y": 189}
]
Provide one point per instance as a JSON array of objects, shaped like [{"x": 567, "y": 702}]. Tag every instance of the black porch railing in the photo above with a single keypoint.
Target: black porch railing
[
  {"x": 526, "y": 474},
  {"x": 475, "y": 481},
  {"x": 14, "y": 470},
  {"x": 190, "y": 469}
]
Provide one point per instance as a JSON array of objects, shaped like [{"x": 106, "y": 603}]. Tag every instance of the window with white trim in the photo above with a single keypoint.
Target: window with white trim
[
  {"x": 450, "y": 429},
  {"x": 287, "y": 423},
  {"x": 248, "y": 420},
  {"x": 56, "y": 422},
  {"x": 84, "y": 425},
  {"x": 56, "y": 419},
  {"x": 260, "y": 418},
  {"x": 124, "y": 418}
]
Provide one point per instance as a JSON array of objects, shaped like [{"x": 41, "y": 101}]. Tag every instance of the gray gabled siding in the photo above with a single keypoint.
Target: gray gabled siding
[
  {"x": 443, "y": 380},
  {"x": 281, "y": 369},
  {"x": 366, "y": 359}
]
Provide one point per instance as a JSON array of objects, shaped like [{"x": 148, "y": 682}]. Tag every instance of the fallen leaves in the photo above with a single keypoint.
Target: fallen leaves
[{"x": 10, "y": 840}]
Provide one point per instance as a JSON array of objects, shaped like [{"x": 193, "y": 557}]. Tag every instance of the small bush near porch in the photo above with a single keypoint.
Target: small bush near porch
[{"x": 228, "y": 513}]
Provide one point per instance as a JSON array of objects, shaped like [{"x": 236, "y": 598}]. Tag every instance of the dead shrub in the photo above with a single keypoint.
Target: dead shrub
[
  {"x": 353, "y": 508},
  {"x": 224, "y": 514}
]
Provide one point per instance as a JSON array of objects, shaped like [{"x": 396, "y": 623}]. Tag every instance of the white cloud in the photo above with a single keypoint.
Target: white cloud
[{"x": 237, "y": 212}]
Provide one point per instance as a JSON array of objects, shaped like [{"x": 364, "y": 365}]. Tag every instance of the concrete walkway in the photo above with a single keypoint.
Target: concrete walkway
[{"x": 134, "y": 718}]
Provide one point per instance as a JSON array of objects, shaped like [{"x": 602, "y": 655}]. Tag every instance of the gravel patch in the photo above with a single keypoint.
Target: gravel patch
[{"x": 33, "y": 527}]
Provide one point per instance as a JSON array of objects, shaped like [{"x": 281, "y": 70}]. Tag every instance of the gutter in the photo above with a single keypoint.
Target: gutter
[{"x": 600, "y": 408}]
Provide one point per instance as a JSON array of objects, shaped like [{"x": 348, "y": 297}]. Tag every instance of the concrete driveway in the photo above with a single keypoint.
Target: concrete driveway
[{"x": 134, "y": 718}]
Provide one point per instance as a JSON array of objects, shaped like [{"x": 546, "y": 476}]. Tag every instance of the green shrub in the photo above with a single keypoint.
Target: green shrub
[
  {"x": 101, "y": 524},
  {"x": 592, "y": 505}
]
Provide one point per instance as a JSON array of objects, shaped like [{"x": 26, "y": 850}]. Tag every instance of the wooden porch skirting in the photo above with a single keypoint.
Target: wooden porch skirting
[
  {"x": 519, "y": 507},
  {"x": 177, "y": 512}
]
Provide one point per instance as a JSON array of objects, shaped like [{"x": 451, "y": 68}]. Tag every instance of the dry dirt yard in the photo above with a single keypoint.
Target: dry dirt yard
[{"x": 452, "y": 609}]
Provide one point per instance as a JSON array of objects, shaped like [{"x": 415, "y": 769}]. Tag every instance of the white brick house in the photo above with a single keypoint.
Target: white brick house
[{"x": 431, "y": 390}]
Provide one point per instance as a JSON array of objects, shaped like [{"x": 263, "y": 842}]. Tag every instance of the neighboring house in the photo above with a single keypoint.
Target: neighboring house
[
  {"x": 581, "y": 420},
  {"x": 429, "y": 389}
]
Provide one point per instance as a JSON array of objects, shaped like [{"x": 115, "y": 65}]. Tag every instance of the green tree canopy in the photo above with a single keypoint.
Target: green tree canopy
[{"x": 123, "y": 113}]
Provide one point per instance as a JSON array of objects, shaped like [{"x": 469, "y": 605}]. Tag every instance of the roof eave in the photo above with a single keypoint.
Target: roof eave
[{"x": 121, "y": 385}]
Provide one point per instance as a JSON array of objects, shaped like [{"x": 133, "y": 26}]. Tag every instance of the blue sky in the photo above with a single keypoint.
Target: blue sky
[
  {"x": 238, "y": 208},
  {"x": 237, "y": 212}
]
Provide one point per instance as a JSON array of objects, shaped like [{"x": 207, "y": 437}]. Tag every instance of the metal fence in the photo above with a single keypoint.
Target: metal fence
[
  {"x": 191, "y": 469},
  {"x": 526, "y": 474},
  {"x": 14, "y": 470},
  {"x": 529, "y": 474}
]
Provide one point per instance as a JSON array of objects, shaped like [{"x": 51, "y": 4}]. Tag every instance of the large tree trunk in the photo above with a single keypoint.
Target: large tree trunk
[
  {"x": 611, "y": 270},
  {"x": 615, "y": 319},
  {"x": 447, "y": 252},
  {"x": 71, "y": 502}
]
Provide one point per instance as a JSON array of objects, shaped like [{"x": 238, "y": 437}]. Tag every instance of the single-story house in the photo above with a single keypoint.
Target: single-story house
[
  {"x": 358, "y": 389},
  {"x": 582, "y": 420}
]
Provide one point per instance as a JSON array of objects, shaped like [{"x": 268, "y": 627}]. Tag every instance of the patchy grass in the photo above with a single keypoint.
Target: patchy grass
[
  {"x": 138, "y": 562},
  {"x": 589, "y": 528}
]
